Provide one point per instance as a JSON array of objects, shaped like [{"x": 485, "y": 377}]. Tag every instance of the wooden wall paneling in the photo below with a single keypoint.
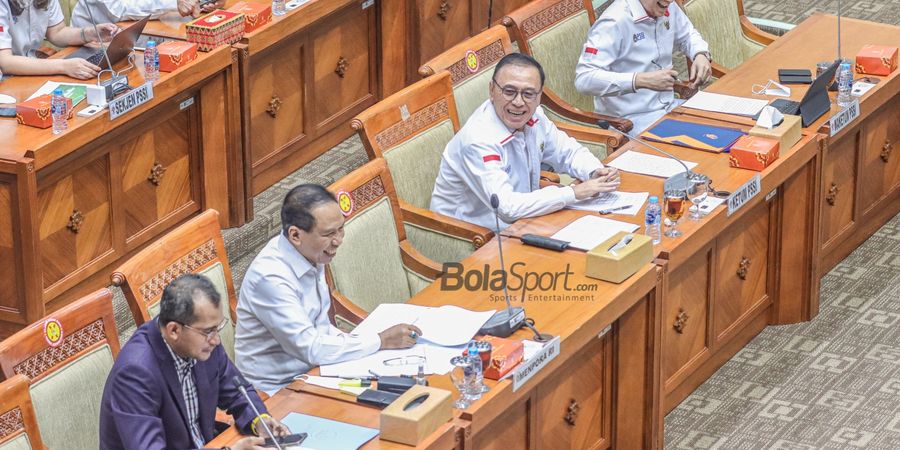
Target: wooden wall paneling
[
  {"x": 839, "y": 178},
  {"x": 437, "y": 26},
  {"x": 742, "y": 285},
  {"x": 513, "y": 429},
  {"x": 880, "y": 158},
  {"x": 217, "y": 145},
  {"x": 240, "y": 201},
  {"x": 393, "y": 36},
  {"x": 500, "y": 9},
  {"x": 797, "y": 278}
]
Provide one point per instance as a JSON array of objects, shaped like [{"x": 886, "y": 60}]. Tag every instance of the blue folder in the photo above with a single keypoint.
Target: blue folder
[{"x": 693, "y": 135}]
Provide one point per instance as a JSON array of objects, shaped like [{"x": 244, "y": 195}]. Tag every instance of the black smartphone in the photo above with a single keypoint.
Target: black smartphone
[
  {"x": 291, "y": 439},
  {"x": 795, "y": 72}
]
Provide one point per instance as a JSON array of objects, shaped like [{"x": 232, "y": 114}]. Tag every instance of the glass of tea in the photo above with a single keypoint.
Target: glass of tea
[{"x": 675, "y": 204}]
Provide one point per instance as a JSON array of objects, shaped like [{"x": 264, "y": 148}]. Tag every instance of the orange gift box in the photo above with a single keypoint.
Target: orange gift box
[
  {"x": 753, "y": 152},
  {"x": 505, "y": 354},
  {"x": 255, "y": 14},
  {"x": 174, "y": 54},
  {"x": 219, "y": 27},
  {"x": 36, "y": 112},
  {"x": 876, "y": 60}
]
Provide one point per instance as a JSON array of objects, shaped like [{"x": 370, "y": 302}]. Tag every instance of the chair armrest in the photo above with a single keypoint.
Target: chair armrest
[
  {"x": 549, "y": 179},
  {"x": 478, "y": 235},
  {"x": 754, "y": 33},
  {"x": 342, "y": 306},
  {"x": 599, "y": 135},
  {"x": 561, "y": 107},
  {"x": 418, "y": 262}
]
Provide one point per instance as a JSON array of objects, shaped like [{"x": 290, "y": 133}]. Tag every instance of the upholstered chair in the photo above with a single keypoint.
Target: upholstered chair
[
  {"x": 196, "y": 246},
  {"x": 409, "y": 130},
  {"x": 375, "y": 263},
  {"x": 66, "y": 357},
  {"x": 18, "y": 424},
  {"x": 732, "y": 38}
]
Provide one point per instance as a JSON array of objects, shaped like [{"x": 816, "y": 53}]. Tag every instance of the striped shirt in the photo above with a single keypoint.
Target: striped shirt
[{"x": 184, "y": 367}]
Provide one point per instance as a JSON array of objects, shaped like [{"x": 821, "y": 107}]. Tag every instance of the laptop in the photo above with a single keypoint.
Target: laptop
[
  {"x": 121, "y": 45},
  {"x": 815, "y": 102}
]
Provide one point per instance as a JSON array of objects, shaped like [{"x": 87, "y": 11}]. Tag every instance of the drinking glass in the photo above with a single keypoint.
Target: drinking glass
[
  {"x": 674, "y": 208},
  {"x": 701, "y": 191},
  {"x": 461, "y": 366}
]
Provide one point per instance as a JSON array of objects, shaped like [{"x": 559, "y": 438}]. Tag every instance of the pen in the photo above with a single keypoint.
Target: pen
[{"x": 617, "y": 208}]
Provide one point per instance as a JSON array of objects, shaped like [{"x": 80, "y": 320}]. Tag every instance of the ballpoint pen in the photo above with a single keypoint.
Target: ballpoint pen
[{"x": 610, "y": 210}]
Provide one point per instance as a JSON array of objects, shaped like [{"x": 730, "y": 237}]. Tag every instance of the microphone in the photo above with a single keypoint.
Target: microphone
[
  {"x": 116, "y": 80},
  {"x": 238, "y": 382},
  {"x": 87, "y": 6},
  {"x": 504, "y": 322},
  {"x": 680, "y": 181}
]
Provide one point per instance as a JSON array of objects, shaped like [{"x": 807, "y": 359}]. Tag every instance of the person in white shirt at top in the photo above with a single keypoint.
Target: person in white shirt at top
[
  {"x": 119, "y": 10},
  {"x": 282, "y": 312},
  {"x": 24, "y": 24},
  {"x": 500, "y": 150},
  {"x": 626, "y": 63}
]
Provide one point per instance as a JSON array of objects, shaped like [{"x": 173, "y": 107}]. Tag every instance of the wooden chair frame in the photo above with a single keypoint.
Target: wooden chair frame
[
  {"x": 365, "y": 186},
  {"x": 749, "y": 30},
  {"x": 492, "y": 44},
  {"x": 383, "y": 126},
  {"x": 85, "y": 325},
  {"x": 17, "y": 414},
  {"x": 193, "y": 246}
]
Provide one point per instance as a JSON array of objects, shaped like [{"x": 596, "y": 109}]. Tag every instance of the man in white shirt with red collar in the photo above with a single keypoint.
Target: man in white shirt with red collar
[
  {"x": 626, "y": 63},
  {"x": 500, "y": 150}
]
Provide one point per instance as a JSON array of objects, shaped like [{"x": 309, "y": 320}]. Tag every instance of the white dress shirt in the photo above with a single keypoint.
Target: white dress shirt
[
  {"x": 625, "y": 41},
  {"x": 487, "y": 158},
  {"x": 282, "y": 320},
  {"x": 24, "y": 34},
  {"x": 112, "y": 11}
]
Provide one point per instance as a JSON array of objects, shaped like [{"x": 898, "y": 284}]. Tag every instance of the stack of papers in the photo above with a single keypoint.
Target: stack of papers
[
  {"x": 589, "y": 231},
  {"x": 655, "y": 166},
  {"x": 728, "y": 104},
  {"x": 630, "y": 201}
]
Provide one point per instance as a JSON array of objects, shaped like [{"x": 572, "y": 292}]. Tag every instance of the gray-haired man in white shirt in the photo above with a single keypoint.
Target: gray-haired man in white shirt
[{"x": 283, "y": 328}]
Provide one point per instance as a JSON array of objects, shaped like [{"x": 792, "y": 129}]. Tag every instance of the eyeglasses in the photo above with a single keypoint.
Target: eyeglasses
[
  {"x": 413, "y": 360},
  {"x": 510, "y": 93},
  {"x": 208, "y": 334}
]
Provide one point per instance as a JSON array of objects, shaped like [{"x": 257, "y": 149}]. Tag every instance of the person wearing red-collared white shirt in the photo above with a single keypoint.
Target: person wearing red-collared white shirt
[
  {"x": 626, "y": 63},
  {"x": 500, "y": 150}
]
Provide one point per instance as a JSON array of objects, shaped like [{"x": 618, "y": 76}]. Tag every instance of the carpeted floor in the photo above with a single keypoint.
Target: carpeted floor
[{"x": 830, "y": 383}]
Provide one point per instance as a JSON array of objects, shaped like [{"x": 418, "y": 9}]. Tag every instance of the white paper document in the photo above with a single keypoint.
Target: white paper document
[
  {"x": 728, "y": 104},
  {"x": 611, "y": 201},
  {"x": 589, "y": 231},
  {"x": 655, "y": 166},
  {"x": 447, "y": 326}
]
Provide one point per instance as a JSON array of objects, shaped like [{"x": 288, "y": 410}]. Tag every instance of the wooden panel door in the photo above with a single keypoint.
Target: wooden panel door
[
  {"x": 11, "y": 299},
  {"x": 277, "y": 94},
  {"x": 684, "y": 319},
  {"x": 741, "y": 273},
  {"x": 75, "y": 217},
  {"x": 880, "y": 169},
  {"x": 574, "y": 406},
  {"x": 437, "y": 26},
  {"x": 500, "y": 9},
  {"x": 343, "y": 67},
  {"x": 838, "y": 189},
  {"x": 159, "y": 173}
]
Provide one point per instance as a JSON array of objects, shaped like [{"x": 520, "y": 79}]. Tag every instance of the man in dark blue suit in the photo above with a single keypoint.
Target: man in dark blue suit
[{"x": 167, "y": 381}]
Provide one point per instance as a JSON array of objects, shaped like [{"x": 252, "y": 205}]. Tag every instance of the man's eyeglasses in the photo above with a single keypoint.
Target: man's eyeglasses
[
  {"x": 510, "y": 93},
  {"x": 208, "y": 333}
]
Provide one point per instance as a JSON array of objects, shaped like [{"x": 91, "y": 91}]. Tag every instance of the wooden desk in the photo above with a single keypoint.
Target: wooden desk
[
  {"x": 605, "y": 372},
  {"x": 860, "y": 178},
  {"x": 74, "y": 205},
  {"x": 709, "y": 309}
]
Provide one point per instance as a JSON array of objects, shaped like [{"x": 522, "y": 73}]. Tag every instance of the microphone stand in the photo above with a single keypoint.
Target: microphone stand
[
  {"x": 684, "y": 181},
  {"x": 243, "y": 390}
]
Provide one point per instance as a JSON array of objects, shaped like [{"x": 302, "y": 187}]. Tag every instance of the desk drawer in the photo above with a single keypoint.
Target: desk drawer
[{"x": 880, "y": 169}]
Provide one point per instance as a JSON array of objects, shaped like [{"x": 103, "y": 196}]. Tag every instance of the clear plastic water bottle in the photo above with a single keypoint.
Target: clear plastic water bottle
[
  {"x": 59, "y": 111},
  {"x": 278, "y": 8},
  {"x": 475, "y": 376},
  {"x": 653, "y": 219},
  {"x": 151, "y": 62},
  {"x": 845, "y": 85}
]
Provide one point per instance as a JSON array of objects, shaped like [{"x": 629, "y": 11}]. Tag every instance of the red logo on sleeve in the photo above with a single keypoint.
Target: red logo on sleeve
[
  {"x": 590, "y": 50},
  {"x": 489, "y": 158}
]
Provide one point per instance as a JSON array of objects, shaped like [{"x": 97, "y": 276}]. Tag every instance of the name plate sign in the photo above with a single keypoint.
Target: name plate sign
[
  {"x": 744, "y": 194},
  {"x": 528, "y": 369},
  {"x": 134, "y": 98},
  {"x": 840, "y": 120}
]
